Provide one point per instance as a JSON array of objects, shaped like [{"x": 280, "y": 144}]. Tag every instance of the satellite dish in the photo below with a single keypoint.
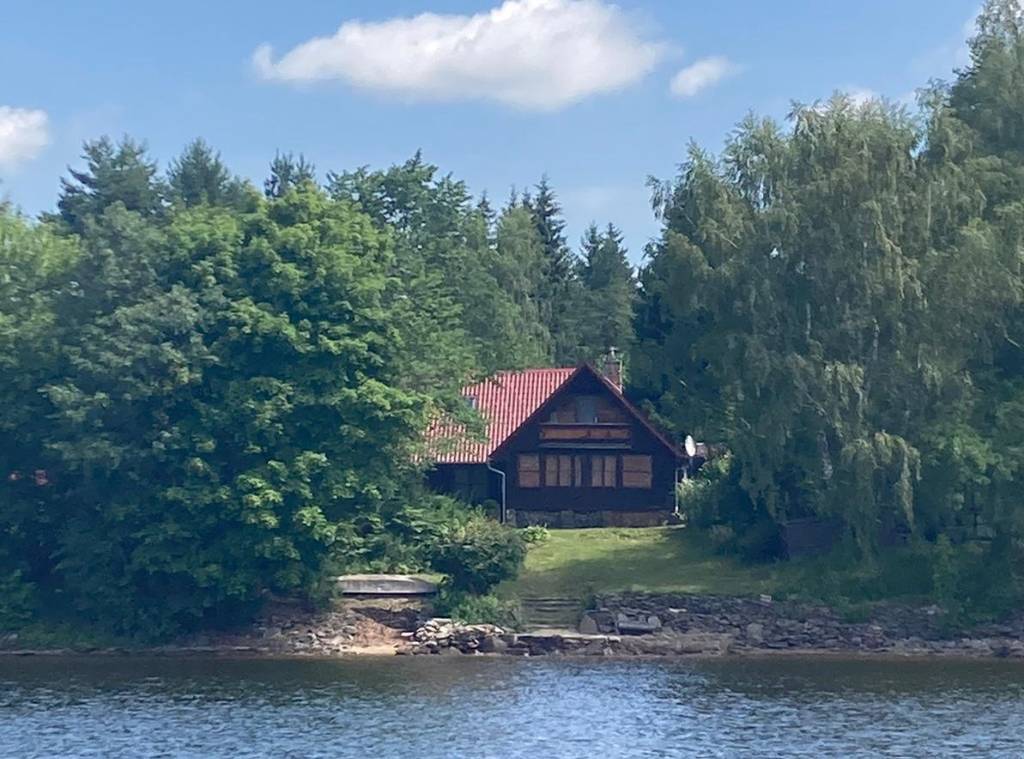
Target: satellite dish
[{"x": 691, "y": 446}]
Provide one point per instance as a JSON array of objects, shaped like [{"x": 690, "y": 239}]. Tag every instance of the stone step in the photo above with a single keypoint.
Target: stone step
[
  {"x": 533, "y": 617},
  {"x": 552, "y": 599},
  {"x": 550, "y": 613},
  {"x": 551, "y": 605}
]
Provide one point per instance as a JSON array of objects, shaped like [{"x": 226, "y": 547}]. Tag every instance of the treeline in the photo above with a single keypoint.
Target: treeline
[
  {"x": 840, "y": 304},
  {"x": 211, "y": 392}
]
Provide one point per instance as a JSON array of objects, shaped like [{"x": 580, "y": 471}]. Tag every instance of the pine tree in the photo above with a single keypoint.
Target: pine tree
[
  {"x": 199, "y": 177},
  {"x": 559, "y": 293},
  {"x": 287, "y": 173},
  {"x": 609, "y": 293},
  {"x": 114, "y": 173}
]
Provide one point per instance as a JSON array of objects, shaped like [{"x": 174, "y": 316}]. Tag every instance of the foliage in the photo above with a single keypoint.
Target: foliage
[
  {"x": 714, "y": 501},
  {"x": 470, "y": 282},
  {"x": 479, "y": 554},
  {"x": 34, "y": 271},
  {"x": 558, "y": 288},
  {"x": 608, "y": 294},
  {"x": 535, "y": 534},
  {"x": 288, "y": 173},
  {"x": 839, "y": 304},
  {"x": 226, "y": 394},
  {"x": 791, "y": 330},
  {"x": 18, "y": 600},
  {"x": 470, "y": 609},
  {"x": 970, "y": 583},
  {"x": 403, "y": 537},
  {"x": 115, "y": 173},
  {"x": 199, "y": 177}
]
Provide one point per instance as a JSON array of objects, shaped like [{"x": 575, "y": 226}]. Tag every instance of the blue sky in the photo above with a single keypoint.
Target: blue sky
[{"x": 598, "y": 95}]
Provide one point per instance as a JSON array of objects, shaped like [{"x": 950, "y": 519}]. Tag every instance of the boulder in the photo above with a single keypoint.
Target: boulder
[
  {"x": 492, "y": 644},
  {"x": 755, "y": 633},
  {"x": 639, "y": 625},
  {"x": 598, "y": 622}
]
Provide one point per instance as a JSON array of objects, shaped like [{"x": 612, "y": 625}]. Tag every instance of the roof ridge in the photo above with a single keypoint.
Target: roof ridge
[{"x": 537, "y": 369}]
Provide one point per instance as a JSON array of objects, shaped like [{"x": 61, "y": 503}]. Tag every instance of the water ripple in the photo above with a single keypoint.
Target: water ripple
[{"x": 439, "y": 707}]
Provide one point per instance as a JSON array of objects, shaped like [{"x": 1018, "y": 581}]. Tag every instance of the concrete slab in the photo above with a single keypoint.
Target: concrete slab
[{"x": 385, "y": 585}]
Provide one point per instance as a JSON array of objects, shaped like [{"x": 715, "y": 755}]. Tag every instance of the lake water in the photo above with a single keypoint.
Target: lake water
[{"x": 419, "y": 708}]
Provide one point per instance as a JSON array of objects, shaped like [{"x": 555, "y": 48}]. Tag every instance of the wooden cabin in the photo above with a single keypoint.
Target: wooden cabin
[{"x": 563, "y": 448}]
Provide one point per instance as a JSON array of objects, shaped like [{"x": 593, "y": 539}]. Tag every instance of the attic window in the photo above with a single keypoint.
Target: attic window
[
  {"x": 586, "y": 409},
  {"x": 470, "y": 401}
]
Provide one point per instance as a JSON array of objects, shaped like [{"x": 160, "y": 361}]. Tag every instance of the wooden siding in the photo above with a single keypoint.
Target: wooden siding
[
  {"x": 605, "y": 434},
  {"x": 586, "y": 467}
]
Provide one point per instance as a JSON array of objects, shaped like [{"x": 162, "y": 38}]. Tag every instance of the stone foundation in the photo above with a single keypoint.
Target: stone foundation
[{"x": 571, "y": 519}]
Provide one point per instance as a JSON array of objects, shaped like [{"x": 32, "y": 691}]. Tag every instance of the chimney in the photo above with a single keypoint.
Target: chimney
[{"x": 612, "y": 368}]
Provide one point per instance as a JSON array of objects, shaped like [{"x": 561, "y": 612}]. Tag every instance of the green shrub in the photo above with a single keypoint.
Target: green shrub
[
  {"x": 474, "y": 610},
  {"x": 974, "y": 581},
  {"x": 760, "y": 542},
  {"x": 478, "y": 554},
  {"x": 714, "y": 501},
  {"x": 17, "y": 600},
  {"x": 535, "y": 534},
  {"x": 722, "y": 538},
  {"x": 702, "y": 498},
  {"x": 404, "y": 539}
]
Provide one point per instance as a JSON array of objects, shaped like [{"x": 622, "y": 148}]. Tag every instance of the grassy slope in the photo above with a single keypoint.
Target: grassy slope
[{"x": 577, "y": 563}]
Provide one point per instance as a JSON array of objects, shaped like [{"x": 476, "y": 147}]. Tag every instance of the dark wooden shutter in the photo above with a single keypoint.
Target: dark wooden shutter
[
  {"x": 529, "y": 470},
  {"x": 637, "y": 472}
]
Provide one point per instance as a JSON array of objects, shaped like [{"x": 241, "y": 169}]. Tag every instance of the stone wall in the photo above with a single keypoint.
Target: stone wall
[{"x": 767, "y": 625}]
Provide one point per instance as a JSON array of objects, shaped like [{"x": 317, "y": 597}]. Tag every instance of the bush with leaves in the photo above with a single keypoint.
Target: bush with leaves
[
  {"x": 715, "y": 501},
  {"x": 478, "y": 554},
  {"x": 470, "y": 609},
  {"x": 535, "y": 534},
  {"x": 401, "y": 537}
]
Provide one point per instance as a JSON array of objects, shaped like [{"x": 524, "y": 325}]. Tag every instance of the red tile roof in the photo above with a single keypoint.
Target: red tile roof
[{"x": 505, "y": 401}]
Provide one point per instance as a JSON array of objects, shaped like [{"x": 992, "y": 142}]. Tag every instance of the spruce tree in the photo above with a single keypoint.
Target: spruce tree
[
  {"x": 115, "y": 173},
  {"x": 288, "y": 172},
  {"x": 199, "y": 177},
  {"x": 559, "y": 292},
  {"x": 608, "y": 293}
]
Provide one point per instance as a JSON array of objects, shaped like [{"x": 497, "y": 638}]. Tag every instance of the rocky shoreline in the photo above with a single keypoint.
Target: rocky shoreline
[
  {"x": 765, "y": 625},
  {"x": 682, "y": 625},
  {"x": 622, "y": 625}
]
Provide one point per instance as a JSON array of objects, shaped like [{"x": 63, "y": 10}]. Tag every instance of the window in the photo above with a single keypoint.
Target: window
[
  {"x": 529, "y": 471},
  {"x": 636, "y": 472},
  {"x": 558, "y": 471},
  {"x": 603, "y": 471},
  {"x": 586, "y": 409}
]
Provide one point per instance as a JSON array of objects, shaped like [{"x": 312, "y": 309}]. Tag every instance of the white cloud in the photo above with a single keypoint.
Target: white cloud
[
  {"x": 539, "y": 54},
  {"x": 702, "y": 74},
  {"x": 24, "y": 133}
]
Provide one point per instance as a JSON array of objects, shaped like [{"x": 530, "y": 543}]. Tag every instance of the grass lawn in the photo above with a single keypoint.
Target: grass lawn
[{"x": 577, "y": 563}]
